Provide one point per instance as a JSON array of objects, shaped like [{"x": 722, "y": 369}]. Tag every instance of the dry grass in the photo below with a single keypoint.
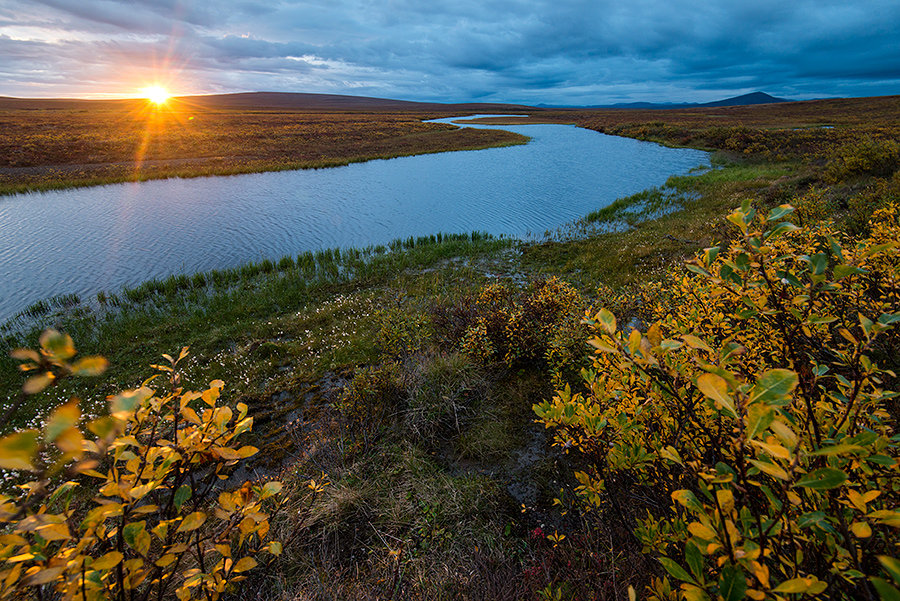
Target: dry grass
[{"x": 108, "y": 142}]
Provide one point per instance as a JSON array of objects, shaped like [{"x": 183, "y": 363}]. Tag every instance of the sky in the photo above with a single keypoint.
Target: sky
[{"x": 559, "y": 52}]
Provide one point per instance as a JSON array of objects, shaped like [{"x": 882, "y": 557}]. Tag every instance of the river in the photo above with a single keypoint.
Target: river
[{"x": 86, "y": 240}]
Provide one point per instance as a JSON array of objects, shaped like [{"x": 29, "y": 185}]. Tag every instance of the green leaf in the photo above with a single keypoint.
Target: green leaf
[
  {"x": 892, "y": 565},
  {"x": 59, "y": 346},
  {"x": 779, "y": 212},
  {"x": 17, "y": 450},
  {"x": 841, "y": 271},
  {"x": 181, "y": 495},
  {"x": 823, "y": 478},
  {"x": 694, "y": 559},
  {"x": 885, "y": 591},
  {"x": 732, "y": 584},
  {"x": 773, "y": 386},
  {"x": 675, "y": 570}
]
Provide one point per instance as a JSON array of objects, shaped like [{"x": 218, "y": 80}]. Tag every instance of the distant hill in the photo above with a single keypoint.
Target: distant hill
[
  {"x": 273, "y": 101},
  {"x": 743, "y": 100}
]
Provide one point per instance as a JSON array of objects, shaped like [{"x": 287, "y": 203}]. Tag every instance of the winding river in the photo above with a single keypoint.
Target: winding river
[{"x": 103, "y": 238}]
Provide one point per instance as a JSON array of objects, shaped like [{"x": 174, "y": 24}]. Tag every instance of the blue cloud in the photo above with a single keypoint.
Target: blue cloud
[{"x": 553, "y": 51}]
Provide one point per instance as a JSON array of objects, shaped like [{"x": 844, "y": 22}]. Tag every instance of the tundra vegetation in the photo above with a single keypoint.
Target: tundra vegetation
[{"x": 691, "y": 395}]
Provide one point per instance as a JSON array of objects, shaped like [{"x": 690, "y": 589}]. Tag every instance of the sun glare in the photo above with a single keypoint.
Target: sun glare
[{"x": 156, "y": 94}]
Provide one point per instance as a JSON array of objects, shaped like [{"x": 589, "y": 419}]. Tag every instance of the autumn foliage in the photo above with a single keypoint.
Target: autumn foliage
[
  {"x": 136, "y": 506},
  {"x": 749, "y": 405}
]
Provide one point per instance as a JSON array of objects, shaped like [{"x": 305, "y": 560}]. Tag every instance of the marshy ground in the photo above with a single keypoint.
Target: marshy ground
[{"x": 356, "y": 364}]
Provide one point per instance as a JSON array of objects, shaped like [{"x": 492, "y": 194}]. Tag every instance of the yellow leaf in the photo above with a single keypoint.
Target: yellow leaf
[
  {"x": 43, "y": 576},
  {"x": 701, "y": 531},
  {"x": 37, "y": 383},
  {"x": 771, "y": 469},
  {"x": 192, "y": 522},
  {"x": 725, "y": 499},
  {"x": 244, "y": 564},
  {"x": 167, "y": 559},
  {"x": 108, "y": 561},
  {"x": 772, "y": 450},
  {"x": 90, "y": 366},
  {"x": 17, "y": 450},
  {"x": 716, "y": 388},
  {"x": 861, "y": 529},
  {"x": 54, "y": 532}
]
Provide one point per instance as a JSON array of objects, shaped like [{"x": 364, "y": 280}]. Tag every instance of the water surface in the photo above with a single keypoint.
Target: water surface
[{"x": 102, "y": 238}]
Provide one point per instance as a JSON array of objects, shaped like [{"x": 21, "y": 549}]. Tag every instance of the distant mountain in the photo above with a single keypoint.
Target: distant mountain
[
  {"x": 743, "y": 100},
  {"x": 275, "y": 101},
  {"x": 334, "y": 102}
]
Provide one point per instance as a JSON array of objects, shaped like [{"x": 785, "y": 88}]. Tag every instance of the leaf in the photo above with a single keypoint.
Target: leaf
[
  {"x": 270, "y": 489},
  {"x": 773, "y": 385},
  {"x": 192, "y": 522},
  {"x": 861, "y": 529},
  {"x": 696, "y": 343},
  {"x": 801, "y": 585},
  {"x": 35, "y": 384},
  {"x": 675, "y": 570},
  {"x": 779, "y": 212},
  {"x": 244, "y": 564},
  {"x": 886, "y": 591},
  {"x": 759, "y": 417},
  {"x": 838, "y": 449},
  {"x": 732, "y": 584},
  {"x": 607, "y": 320},
  {"x": 123, "y": 404},
  {"x": 54, "y": 532},
  {"x": 108, "y": 561},
  {"x": 90, "y": 366},
  {"x": 17, "y": 450},
  {"x": 58, "y": 346},
  {"x": 823, "y": 478},
  {"x": 773, "y": 470},
  {"x": 182, "y": 494},
  {"x": 716, "y": 388},
  {"x": 891, "y": 565},
  {"x": 275, "y": 548},
  {"x": 62, "y": 418},
  {"x": 687, "y": 499},
  {"x": 43, "y": 576}
]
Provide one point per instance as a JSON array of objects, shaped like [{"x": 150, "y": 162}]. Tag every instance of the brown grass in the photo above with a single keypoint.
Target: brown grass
[{"x": 85, "y": 144}]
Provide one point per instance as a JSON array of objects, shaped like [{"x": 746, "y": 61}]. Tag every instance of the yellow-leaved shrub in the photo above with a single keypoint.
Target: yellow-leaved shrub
[
  {"x": 751, "y": 416},
  {"x": 135, "y": 506}
]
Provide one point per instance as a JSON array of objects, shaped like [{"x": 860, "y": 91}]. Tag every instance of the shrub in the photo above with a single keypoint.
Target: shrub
[
  {"x": 869, "y": 156},
  {"x": 157, "y": 520},
  {"x": 519, "y": 328},
  {"x": 751, "y": 418}
]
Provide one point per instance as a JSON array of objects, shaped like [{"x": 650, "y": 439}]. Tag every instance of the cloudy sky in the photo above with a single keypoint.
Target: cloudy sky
[{"x": 528, "y": 51}]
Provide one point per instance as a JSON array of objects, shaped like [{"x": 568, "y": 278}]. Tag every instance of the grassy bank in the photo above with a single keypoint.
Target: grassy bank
[
  {"x": 52, "y": 148},
  {"x": 405, "y": 375}
]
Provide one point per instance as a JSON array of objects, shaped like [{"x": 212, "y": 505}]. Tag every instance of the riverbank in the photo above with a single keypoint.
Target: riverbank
[
  {"x": 450, "y": 492},
  {"x": 47, "y": 149}
]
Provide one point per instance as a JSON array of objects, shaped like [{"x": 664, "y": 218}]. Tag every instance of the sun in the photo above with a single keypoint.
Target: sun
[{"x": 156, "y": 94}]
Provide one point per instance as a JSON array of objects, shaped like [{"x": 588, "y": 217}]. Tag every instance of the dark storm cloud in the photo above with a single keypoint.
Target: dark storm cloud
[{"x": 554, "y": 51}]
